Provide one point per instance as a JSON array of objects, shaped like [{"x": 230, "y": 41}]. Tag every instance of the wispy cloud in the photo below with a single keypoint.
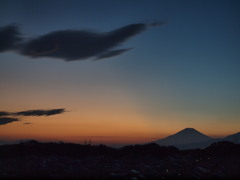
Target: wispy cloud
[
  {"x": 5, "y": 119},
  {"x": 4, "y": 113},
  {"x": 72, "y": 45},
  {"x": 39, "y": 112},
  {"x": 27, "y": 123},
  {"x": 112, "y": 53}
]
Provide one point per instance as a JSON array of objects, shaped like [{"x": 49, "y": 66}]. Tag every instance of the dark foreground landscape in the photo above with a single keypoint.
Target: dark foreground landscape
[{"x": 31, "y": 160}]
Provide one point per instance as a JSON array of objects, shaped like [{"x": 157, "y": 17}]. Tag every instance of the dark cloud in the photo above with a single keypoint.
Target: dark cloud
[
  {"x": 71, "y": 45},
  {"x": 9, "y": 36},
  {"x": 112, "y": 53},
  {"x": 40, "y": 112},
  {"x": 33, "y": 112},
  {"x": 6, "y": 120},
  {"x": 27, "y": 123},
  {"x": 4, "y": 113}
]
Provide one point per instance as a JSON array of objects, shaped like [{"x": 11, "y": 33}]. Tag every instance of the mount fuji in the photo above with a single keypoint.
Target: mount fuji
[
  {"x": 185, "y": 136},
  {"x": 190, "y": 138}
]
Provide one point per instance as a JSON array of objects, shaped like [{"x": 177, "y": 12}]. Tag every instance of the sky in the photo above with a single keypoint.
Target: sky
[{"x": 118, "y": 71}]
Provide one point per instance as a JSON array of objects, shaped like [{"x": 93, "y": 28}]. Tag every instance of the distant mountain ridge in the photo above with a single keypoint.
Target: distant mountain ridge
[{"x": 190, "y": 138}]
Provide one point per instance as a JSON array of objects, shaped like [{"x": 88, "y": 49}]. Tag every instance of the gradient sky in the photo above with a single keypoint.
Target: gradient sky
[{"x": 182, "y": 74}]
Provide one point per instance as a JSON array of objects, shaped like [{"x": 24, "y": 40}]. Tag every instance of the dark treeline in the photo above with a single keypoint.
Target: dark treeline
[
  {"x": 33, "y": 159},
  {"x": 34, "y": 147},
  {"x": 78, "y": 150}
]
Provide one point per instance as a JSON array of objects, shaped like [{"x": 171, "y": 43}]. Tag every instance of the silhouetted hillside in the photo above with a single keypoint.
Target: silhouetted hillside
[{"x": 66, "y": 160}]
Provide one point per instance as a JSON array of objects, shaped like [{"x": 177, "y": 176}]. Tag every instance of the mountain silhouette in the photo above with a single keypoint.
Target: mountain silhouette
[
  {"x": 190, "y": 138},
  {"x": 185, "y": 136},
  {"x": 235, "y": 138}
]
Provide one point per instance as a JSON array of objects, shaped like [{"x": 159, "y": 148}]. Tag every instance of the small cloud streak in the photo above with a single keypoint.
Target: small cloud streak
[
  {"x": 112, "y": 53},
  {"x": 40, "y": 112},
  {"x": 4, "y": 113},
  {"x": 72, "y": 45},
  {"x": 27, "y": 123},
  {"x": 34, "y": 112},
  {"x": 6, "y": 120}
]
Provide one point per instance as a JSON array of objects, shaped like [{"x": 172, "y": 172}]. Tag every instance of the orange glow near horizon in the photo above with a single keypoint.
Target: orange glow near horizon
[
  {"x": 100, "y": 129},
  {"x": 108, "y": 118}
]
